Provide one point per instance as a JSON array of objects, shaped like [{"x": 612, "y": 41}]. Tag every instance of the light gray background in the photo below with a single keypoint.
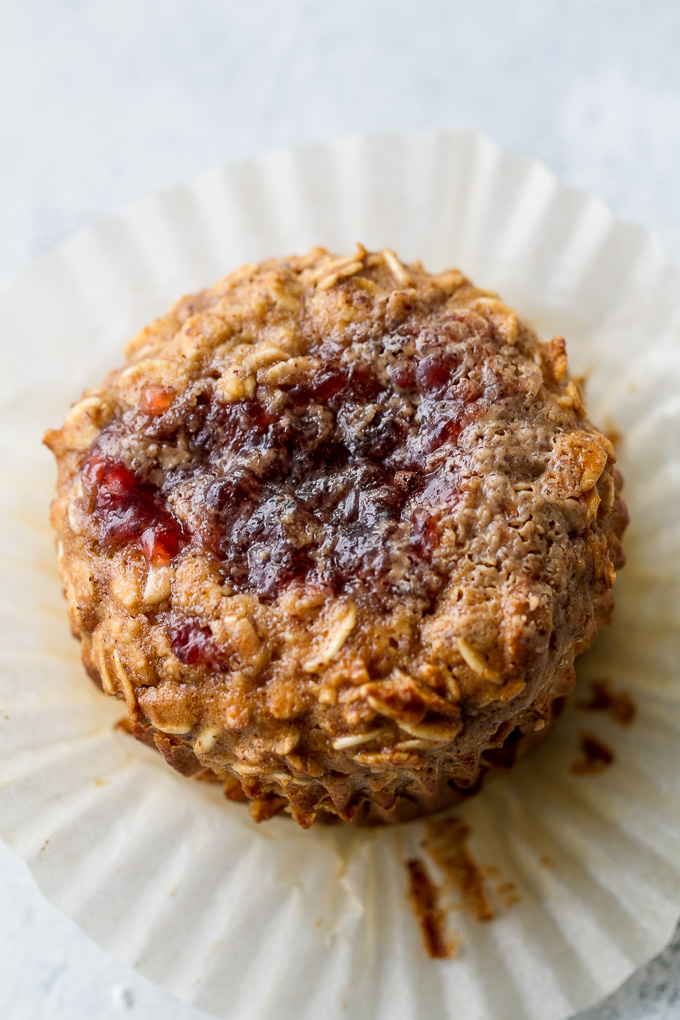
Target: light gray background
[{"x": 103, "y": 103}]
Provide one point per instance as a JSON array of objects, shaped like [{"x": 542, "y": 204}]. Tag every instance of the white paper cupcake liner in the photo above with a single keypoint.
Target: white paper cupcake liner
[{"x": 270, "y": 921}]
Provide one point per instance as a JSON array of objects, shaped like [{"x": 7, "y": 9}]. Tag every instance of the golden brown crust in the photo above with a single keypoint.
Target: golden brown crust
[{"x": 336, "y": 532}]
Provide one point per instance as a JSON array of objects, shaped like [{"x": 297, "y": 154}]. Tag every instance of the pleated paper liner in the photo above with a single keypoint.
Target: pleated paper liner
[{"x": 582, "y": 871}]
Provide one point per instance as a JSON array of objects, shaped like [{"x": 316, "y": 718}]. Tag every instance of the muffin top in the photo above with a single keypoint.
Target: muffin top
[{"x": 336, "y": 526}]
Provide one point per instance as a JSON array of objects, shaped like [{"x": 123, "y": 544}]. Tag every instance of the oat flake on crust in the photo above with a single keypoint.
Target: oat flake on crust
[{"x": 336, "y": 533}]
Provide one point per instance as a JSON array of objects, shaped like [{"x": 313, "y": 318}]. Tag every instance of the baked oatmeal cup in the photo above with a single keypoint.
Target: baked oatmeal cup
[{"x": 336, "y": 534}]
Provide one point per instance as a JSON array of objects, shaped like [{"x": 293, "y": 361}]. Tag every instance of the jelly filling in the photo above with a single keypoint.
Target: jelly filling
[{"x": 341, "y": 486}]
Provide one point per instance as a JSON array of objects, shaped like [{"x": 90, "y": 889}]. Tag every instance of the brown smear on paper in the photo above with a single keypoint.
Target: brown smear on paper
[
  {"x": 424, "y": 897},
  {"x": 595, "y": 756},
  {"x": 506, "y": 891},
  {"x": 619, "y": 704},
  {"x": 446, "y": 843}
]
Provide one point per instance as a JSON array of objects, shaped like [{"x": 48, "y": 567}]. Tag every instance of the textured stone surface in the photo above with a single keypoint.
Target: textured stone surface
[{"x": 103, "y": 104}]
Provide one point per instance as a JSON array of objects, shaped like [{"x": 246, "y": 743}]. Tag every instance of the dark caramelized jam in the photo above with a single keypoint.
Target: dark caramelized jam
[
  {"x": 328, "y": 490},
  {"x": 343, "y": 482}
]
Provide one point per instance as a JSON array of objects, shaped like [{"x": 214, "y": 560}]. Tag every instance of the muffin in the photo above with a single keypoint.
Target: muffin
[{"x": 336, "y": 534}]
